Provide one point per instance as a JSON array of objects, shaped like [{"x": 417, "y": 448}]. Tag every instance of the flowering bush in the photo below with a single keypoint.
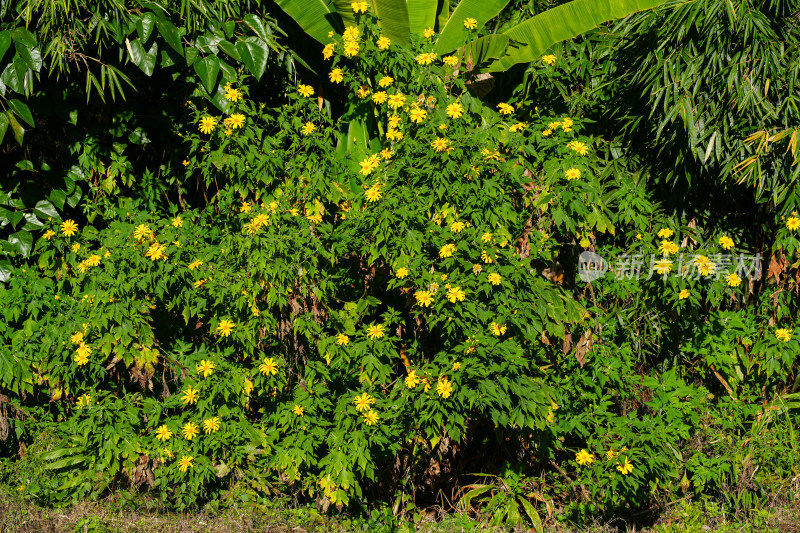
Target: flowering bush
[{"x": 363, "y": 294}]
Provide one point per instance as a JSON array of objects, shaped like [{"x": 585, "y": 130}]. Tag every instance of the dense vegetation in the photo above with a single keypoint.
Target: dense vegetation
[{"x": 251, "y": 252}]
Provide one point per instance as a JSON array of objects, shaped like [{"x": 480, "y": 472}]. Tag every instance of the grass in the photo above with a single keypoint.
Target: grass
[{"x": 18, "y": 515}]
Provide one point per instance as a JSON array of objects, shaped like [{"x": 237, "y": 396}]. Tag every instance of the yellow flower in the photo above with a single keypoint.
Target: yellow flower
[
  {"x": 440, "y": 144},
  {"x": 362, "y": 91},
  {"x": 553, "y": 125},
  {"x": 396, "y": 100},
  {"x": 546, "y": 133},
  {"x": 418, "y": 115},
  {"x": 207, "y": 124},
  {"x": 497, "y": 329},
  {"x": 177, "y": 222},
  {"x": 550, "y": 59},
  {"x": 363, "y": 402},
  {"x": 470, "y": 23},
  {"x": 156, "y": 251},
  {"x": 428, "y": 33},
  {"x": 369, "y": 164},
  {"x": 190, "y": 396},
  {"x": 234, "y": 95},
  {"x": 297, "y": 410},
  {"x": 248, "y": 387},
  {"x": 566, "y": 124},
  {"x": 77, "y": 338},
  {"x": 143, "y": 232},
  {"x": 84, "y": 401},
  {"x": 195, "y": 264},
  {"x": 185, "y": 462},
  {"x": 210, "y": 425},
  {"x": 783, "y": 334},
  {"x": 584, "y": 458},
  {"x": 456, "y": 366},
  {"x": 383, "y": 43},
  {"x": 48, "y": 234},
  {"x": 663, "y": 266},
  {"x": 505, "y": 109},
  {"x": 225, "y": 327},
  {"x": 375, "y": 331},
  {"x": 579, "y": 147},
  {"x": 444, "y": 387},
  {"x": 573, "y": 174},
  {"x": 401, "y": 273},
  {"x": 190, "y": 431},
  {"x": 379, "y": 97},
  {"x": 206, "y": 368},
  {"x": 457, "y": 226},
  {"x": 726, "y": 242},
  {"x": 412, "y": 380},
  {"x": 268, "y": 367},
  {"x": 424, "y": 298},
  {"x": 308, "y": 128},
  {"x": 733, "y": 279},
  {"x": 69, "y": 228},
  {"x": 665, "y": 233},
  {"x": 394, "y": 135},
  {"x": 82, "y": 356},
  {"x": 792, "y": 223},
  {"x": 486, "y": 237},
  {"x": 305, "y": 90},
  {"x": 163, "y": 433},
  {"x": 373, "y": 194},
  {"x": 386, "y": 154},
  {"x": 519, "y": 126},
  {"x": 235, "y": 121},
  {"x": 626, "y": 467},
  {"x": 386, "y": 81},
  {"x": 426, "y": 59},
  {"x": 495, "y": 278},
  {"x": 683, "y": 294},
  {"x": 76, "y": 247},
  {"x": 706, "y": 266},
  {"x": 456, "y": 294},
  {"x": 342, "y": 339},
  {"x": 359, "y": 7},
  {"x": 371, "y": 418},
  {"x": 447, "y": 250},
  {"x": 186, "y": 162},
  {"x": 394, "y": 121},
  {"x": 351, "y": 48},
  {"x": 327, "y": 51},
  {"x": 351, "y": 33},
  {"x": 455, "y": 110},
  {"x": 450, "y": 61},
  {"x": 336, "y": 75},
  {"x": 486, "y": 257},
  {"x": 668, "y": 247}
]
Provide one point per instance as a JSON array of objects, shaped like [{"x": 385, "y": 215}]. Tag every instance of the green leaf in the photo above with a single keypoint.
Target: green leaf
[
  {"x": 477, "y": 491},
  {"x": 145, "y": 25},
  {"x": 561, "y": 23},
  {"x": 11, "y": 78},
  {"x": 454, "y": 33},
  {"x": 5, "y": 42},
  {"x": 530, "y": 510},
  {"x": 31, "y": 56},
  {"x": 208, "y": 69},
  {"x": 22, "y": 110},
  {"x": 229, "y": 48},
  {"x": 421, "y": 15},
  {"x": 16, "y": 128},
  {"x": 5, "y": 270},
  {"x": 45, "y": 209},
  {"x": 145, "y": 60},
  {"x": 21, "y": 35},
  {"x": 170, "y": 34},
  {"x": 316, "y": 17},
  {"x": 254, "y": 56},
  {"x": 257, "y": 25},
  {"x": 3, "y": 126},
  {"x": 393, "y": 19},
  {"x": 21, "y": 241},
  {"x": 481, "y": 50}
]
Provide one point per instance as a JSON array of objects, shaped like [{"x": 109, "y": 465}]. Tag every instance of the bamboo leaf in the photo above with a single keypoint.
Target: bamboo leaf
[
  {"x": 316, "y": 17},
  {"x": 393, "y": 19},
  {"x": 421, "y": 15}
]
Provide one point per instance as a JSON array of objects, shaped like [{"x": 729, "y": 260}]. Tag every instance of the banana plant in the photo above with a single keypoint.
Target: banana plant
[{"x": 521, "y": 43}]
